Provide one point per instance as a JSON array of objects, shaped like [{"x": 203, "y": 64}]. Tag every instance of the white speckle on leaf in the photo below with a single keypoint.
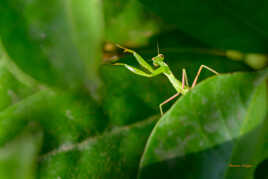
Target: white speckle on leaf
[
  {"x": 233, "y": 124},
  {"x": 164, "y": 154},
  {"x": 212, "y": 127},
  {"x": 188, "y": 138},
  {"x": 103, "y": 154},
  {"x": 43, "y": 35},
  {"x": 170, "y": 133},
  {"x": 68, "y": 114},
  {"x": 204, "y": 100},
  {"x": 12, "y": 95},
  {"x": 183, "y": 118},
  {"x": 216, "y": 114},
  {"x": 178, "y": 149},
  {"x": 191, "y": 123},
  {"x": 179, "y": 141}
]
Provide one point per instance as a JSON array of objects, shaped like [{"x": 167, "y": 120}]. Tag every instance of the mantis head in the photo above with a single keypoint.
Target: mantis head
[{"x": 157, "y": 60}]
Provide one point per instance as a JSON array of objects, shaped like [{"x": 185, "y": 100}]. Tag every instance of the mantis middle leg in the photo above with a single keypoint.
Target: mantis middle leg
[{"x": 199, "y": 71}]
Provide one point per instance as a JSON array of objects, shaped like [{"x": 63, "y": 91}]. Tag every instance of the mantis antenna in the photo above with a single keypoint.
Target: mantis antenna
[{"x": 157, "y": 46}]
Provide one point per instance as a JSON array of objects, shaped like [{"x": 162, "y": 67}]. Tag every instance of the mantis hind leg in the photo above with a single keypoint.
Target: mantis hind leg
[
  {"x": 199, "y": 71},
  {"x": 184, "y": 78},
  {"x": 166, "y": 101}
]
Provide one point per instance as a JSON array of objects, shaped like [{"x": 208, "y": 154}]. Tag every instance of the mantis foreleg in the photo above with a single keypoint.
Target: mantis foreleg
[
  {"x": 139, "y": 59},
  {"x": 137, "y": 71}
]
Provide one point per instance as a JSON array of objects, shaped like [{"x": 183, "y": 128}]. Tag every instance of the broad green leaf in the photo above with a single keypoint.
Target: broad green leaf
[
  {"x": 65, "y": 118},
  {"x": 220, "y": 122},
  {"x": 239, "y": 25},
  {"x": 11, "y": 89},
  {"x": 87, "y": 26},
  {"x": 128, "y": 23},
  {"x": 18, "y": 157},
  {"x": 129, "y": 97},
  {"x": 115, "y": 154},
  {"x": 56, "y": 42}
]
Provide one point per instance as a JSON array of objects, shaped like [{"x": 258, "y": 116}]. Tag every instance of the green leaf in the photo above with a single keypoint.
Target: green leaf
[
  {"x": 115, "y": 154},
  {"x": 56, "y": 42},
  {"x": 18, "y": 158},
  {"x": 218, "y": 123},
  {"x": 132, "y": 25},
  {"x": 11, "y": 89},
  {"x": 64, "y": 117},
  {"x": 87, "y": 29},
  {"x": 239, "y": 25}
]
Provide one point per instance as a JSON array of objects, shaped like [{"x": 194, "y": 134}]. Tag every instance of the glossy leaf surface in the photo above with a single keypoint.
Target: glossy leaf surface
[{"x": 217, "y": 124}]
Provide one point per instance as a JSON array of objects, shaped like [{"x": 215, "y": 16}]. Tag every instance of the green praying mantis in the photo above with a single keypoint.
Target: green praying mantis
[{"x": 181, "y": 87}]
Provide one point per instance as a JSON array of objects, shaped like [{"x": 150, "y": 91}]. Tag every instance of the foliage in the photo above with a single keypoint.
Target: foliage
[{"x": 66, "y": 112}]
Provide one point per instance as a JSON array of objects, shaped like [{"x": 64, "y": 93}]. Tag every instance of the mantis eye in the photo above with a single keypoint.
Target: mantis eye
[
  {"x": 153, "y": 58},
  {"x": 161, "y": 55}
]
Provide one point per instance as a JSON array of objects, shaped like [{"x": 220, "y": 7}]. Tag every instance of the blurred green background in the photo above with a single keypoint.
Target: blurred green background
[{"x": 67, "y": 112}]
